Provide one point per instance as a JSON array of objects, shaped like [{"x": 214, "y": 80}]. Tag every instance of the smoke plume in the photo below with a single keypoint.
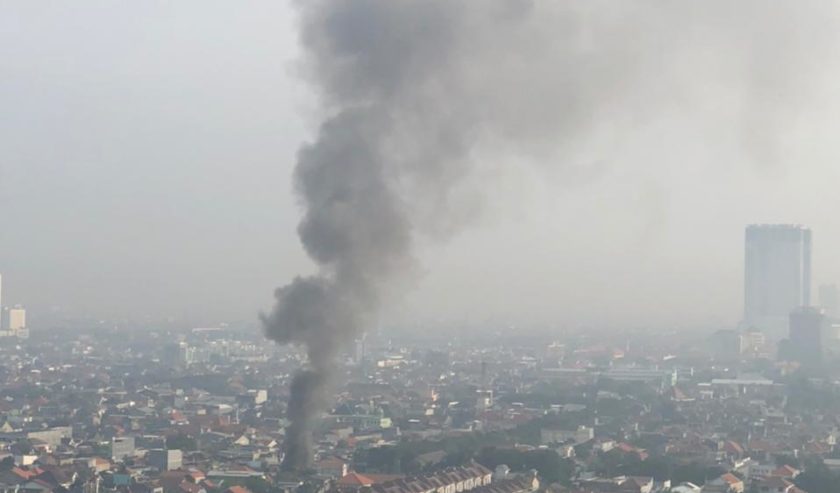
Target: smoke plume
[{"x": 413, "y": 91}]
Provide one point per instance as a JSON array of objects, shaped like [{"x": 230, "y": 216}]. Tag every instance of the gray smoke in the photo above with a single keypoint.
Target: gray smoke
[{"x": 414, "y": 90}]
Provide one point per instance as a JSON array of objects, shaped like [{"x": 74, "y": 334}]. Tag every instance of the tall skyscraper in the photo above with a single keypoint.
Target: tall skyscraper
[{"x": 777, "y": 275}]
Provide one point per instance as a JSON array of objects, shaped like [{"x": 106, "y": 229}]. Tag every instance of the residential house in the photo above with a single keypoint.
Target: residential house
[{"x": 726, "y": 483}]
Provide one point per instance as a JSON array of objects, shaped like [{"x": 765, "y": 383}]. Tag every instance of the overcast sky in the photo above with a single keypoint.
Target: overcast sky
[{"x": 146, "y": 152}]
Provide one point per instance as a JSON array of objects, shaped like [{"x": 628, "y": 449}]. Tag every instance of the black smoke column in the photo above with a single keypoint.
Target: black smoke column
[{"x": 410, "y": 88}]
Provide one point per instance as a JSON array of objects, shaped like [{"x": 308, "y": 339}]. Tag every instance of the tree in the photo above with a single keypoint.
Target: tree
[
  {"x": 181, "y": 442},
  {"x": 548, "y": 463},
  {"x": 817, "y": 478}
]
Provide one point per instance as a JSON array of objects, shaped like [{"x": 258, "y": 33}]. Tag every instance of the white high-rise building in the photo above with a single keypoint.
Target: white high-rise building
[
  {"x": 777, "y": 276},
  {"x": 17, "y": 318}
]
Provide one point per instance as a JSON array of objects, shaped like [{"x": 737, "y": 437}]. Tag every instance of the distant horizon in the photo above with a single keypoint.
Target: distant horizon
[
  {"x": 147, "y": 170},
  {"x": 53, "y": 320}
]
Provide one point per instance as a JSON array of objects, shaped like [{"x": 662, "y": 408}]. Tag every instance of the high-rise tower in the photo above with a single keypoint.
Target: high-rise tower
[{"x": 777, "y": 275}]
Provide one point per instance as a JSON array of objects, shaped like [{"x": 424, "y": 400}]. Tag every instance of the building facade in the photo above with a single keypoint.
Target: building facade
[
  {"x": 808, "y": 327},
  {"x": 164, "y": 460},
  {"x": 122, "y": 447},
  {"x": 777, "y": 276}
]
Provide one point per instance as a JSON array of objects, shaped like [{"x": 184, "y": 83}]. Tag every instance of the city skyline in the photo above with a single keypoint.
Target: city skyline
[
  {"x": 180, "y": 205},
  {"x": 777, "y": 279},
  {"x": 419, "y": 246}
]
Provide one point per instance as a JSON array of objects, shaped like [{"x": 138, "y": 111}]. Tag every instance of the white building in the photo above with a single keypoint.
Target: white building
[
  {"x": 17, "y": 318},
  {"x": 17, "y": 323}
]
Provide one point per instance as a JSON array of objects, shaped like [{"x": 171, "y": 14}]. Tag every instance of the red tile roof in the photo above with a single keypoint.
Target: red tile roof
[
  {"x": 785, "y": 471},
  {"x": 355, "y": 479},
  {"x": 237, "y": 489},
  {"x": 730, "y": 478}
]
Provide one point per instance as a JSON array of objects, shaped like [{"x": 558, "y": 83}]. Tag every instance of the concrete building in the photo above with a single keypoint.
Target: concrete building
[
  {"x": 164, "y": 460},
  {"x": 777, "y": 276},
  {"x": 665, "y": 378},
  {"x": 51, "y": 436},
  {"x": 17, "y": 322},
  {"x": 753, "y": 343},
  {"x": 17, "y": 318},
  {"x": 808, "y": 327},
  {"x": 580, "y": 435},
  {"x": 122, "y": 447},
  {"x": 362, "y": 422}
]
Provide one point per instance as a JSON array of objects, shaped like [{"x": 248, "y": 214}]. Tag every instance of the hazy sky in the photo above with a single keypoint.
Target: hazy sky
[{"x": 146, "y": 150}]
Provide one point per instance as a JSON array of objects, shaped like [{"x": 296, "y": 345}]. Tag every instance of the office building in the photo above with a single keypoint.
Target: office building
[
  {"x": 777, "y": 276},
  {"x": 808, "y": 326}
]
